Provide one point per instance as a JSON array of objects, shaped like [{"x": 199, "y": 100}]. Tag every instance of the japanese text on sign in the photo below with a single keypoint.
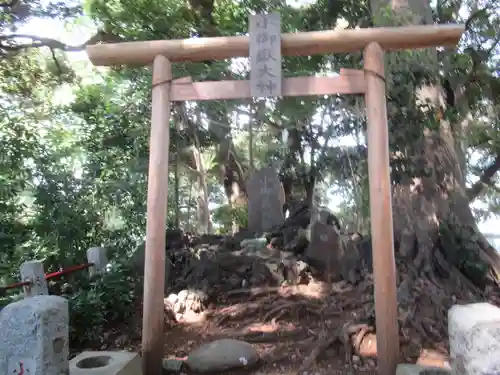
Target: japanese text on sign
[{"x": 265, "y": 55}]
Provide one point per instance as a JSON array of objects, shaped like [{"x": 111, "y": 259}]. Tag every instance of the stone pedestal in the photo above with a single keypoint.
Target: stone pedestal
[
  {"x": 34, "y": 337},
  {"x": 474, "y": 332},
  {"x": 106, "y": 363}
]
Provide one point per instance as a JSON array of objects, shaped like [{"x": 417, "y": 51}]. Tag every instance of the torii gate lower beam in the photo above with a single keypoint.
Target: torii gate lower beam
[{"x": 369, "y": 82}]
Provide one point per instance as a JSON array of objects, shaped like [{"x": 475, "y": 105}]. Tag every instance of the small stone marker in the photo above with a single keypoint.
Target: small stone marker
[
  {"x": 324, "y": 250},
  {"x": 474, "y": 331},
  {"x": 97, "y": 256},
  {"x": 319, "y": 214},
  {"x": 33, "y": 272},
  {"x": 350, "y": 263},
  {"x": 265, "y": 200},
  {"x": 265, "y": 55},
  {"x": 34, "y": 338},
  {"x": 323, "y": 215},
  {"x": 222, "y": 355}
]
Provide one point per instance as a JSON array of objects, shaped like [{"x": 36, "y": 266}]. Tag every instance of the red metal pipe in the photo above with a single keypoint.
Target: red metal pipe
[
  {"x": 49, "y": 276},
  {"x": 68, "y": 270},
  {"x": 15, "y": 285}
]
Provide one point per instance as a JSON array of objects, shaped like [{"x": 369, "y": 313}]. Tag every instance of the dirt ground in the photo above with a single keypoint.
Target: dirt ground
[{"x": 304, "y": 329}]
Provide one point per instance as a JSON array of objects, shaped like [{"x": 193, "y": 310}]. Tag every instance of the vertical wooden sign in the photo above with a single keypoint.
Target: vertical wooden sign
[{"x": 265, "y": 55}]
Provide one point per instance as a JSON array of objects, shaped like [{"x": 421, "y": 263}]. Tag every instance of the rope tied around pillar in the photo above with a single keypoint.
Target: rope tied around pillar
[
  {"x": 376, "y": 74},
  {"x": 163, "y": 82}
]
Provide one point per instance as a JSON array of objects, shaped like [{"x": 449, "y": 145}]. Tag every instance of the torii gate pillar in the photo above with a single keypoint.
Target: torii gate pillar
[{"x": 370, "y": 83}]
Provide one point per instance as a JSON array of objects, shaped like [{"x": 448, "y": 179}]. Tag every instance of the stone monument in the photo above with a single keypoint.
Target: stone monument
[
  {"x": 334, "y": 253},
  {"x": 34, "y": 339},
  {"x": 265, "y": 200},
  {"x": 325, "y": 250}
]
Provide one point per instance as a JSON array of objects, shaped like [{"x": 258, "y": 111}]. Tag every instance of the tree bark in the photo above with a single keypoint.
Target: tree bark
[
  {"x": 188, "y": 220},
  {"x": 253, "y": 111},
  {"x": 177, "y": 175},
  {"x": 237, "y": 201},
  {"x": 204, "y": 225},
  {"x": 309, "y": 188},
  {"x": 435, "y": 196}
]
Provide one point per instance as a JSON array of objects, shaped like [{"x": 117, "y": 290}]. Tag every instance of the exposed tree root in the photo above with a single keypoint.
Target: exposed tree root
[
  {"x": 254, "y": 292},
  {"x": 346, "y": 313},
  {"x": 325, "y": 339},
  {"x": 264, "y": 337},
  {"x": 307, "y": 324},
  {"x": 287, "y": 307},
  {"x": 424, "y": 299}
]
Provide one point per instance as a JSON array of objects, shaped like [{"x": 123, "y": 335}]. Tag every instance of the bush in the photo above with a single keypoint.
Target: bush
[
  {"x": 98, "y": 303},
  {"x": 103, "y": 302},
  {"x": 225, "y": 215}
]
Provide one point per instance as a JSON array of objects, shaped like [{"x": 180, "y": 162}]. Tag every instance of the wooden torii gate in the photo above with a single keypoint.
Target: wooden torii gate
[{"x": 369, "y": 81}]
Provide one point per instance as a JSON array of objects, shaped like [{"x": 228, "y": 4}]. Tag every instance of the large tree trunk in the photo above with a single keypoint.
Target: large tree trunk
[
  {"x": 177, "y": 175},
  {"x": 431, "y": 200},
  {"x": 309, "y": 184},
  {"x": 231, "y": 172},
  {"x": 238, "y": 201},
  {"x": 204, "y": 223},
  {"x": 442, "y": 259}
]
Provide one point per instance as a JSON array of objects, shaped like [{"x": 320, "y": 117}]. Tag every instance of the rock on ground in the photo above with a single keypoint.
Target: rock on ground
[
  {"x": 222, "y": 355},
  {"x": 410, "y": 369}
]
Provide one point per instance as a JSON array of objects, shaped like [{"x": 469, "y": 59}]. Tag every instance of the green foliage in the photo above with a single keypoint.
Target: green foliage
[
  {"x": 224, "y": 216},
  {"x": 103, "y": 302},
  {"x": 96, "y": 304}
]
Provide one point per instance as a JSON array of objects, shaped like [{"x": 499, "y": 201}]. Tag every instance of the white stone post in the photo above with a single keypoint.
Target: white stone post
[
  {"x": 33, "y": 272},
  {"x": 34, "y": 339},
  {"x": 97, "y": 256},
  {"x": 474, "y": 331}
]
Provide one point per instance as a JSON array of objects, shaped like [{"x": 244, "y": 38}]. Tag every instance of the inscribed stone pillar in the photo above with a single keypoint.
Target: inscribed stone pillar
[
  {"x": 33, "y": 271},
  {"x": 34, "y": 339},
  {"x": 265, "y": 200}
]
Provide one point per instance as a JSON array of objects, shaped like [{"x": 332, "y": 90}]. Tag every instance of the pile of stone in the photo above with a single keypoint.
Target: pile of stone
[
  {"x": 273, "y": 250},
  {"x": 186, "y": 303}
]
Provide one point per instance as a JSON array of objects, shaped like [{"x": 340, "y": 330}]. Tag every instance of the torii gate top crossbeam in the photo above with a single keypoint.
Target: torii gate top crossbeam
[{"x": 292, "y": 44}]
